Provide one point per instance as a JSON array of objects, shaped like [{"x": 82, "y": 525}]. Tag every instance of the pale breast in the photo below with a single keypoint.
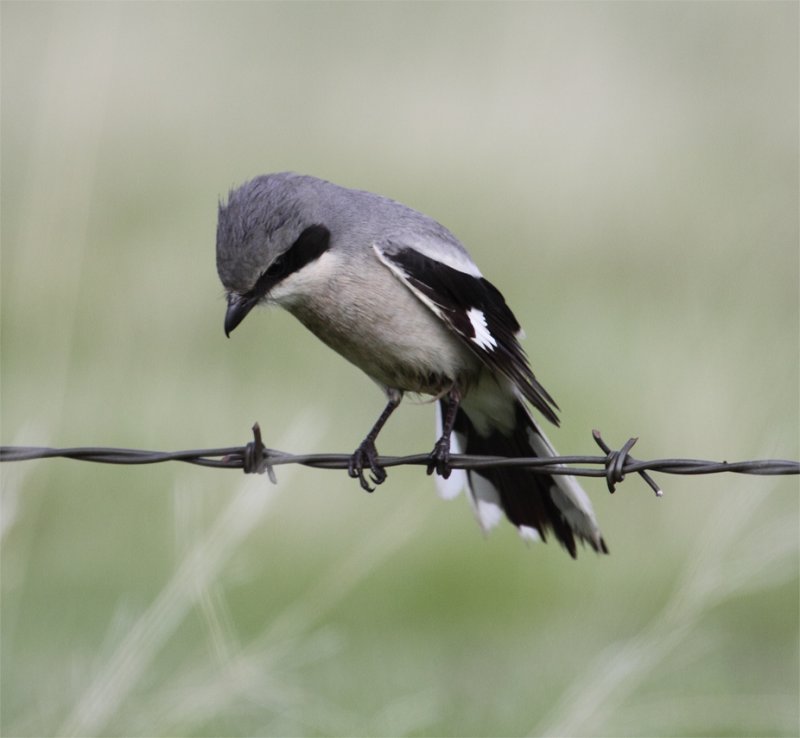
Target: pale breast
[{"x": 374, "y": 321}]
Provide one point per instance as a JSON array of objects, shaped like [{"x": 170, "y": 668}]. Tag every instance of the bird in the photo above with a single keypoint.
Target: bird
[{"x": 396, "y": 294}]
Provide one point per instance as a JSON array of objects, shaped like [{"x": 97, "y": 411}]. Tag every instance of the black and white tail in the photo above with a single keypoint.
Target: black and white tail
[
  {"x": 538, "y": 504},
  {"x": 492, "y": 418}
]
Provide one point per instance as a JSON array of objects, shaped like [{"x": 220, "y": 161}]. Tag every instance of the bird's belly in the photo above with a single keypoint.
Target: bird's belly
[{"x": 396, "y": 340}]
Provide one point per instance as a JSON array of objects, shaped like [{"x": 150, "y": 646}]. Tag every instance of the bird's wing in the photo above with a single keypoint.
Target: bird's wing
[{"x": 473, "y": 308}]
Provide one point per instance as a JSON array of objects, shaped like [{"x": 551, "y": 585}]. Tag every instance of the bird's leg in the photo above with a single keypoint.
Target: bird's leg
[
  {"x": 367, "y": 454},
  {"x": 439, "y": 459}
]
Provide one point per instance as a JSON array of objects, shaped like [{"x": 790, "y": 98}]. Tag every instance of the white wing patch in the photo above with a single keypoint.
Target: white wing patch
[{"x": 482, "y": 336}]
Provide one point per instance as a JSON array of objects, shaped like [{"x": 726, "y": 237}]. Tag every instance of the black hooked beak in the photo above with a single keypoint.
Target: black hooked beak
[{"x": 238, "y": 307}]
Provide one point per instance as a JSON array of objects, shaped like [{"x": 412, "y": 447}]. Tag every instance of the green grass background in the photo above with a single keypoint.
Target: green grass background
[{"x": 626, "y": 173}]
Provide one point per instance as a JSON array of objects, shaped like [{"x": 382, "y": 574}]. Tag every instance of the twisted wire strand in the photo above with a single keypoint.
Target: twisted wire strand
[{"x": 254, "y": 457}]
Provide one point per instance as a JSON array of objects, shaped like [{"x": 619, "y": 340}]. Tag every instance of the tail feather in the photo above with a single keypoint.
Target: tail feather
[{"x": 538, "y": 504}]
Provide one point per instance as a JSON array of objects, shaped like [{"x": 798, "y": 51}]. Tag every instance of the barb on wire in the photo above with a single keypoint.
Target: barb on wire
[
  {"x": 615, "y": 464},
  {"x": 255, "y": 457}
]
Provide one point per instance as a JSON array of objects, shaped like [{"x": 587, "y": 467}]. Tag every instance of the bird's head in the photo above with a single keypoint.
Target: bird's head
[{"x": 266, "y": 232}]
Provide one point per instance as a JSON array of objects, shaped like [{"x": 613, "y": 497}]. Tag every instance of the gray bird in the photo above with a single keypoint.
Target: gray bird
[{"x": 396, "y": 294}]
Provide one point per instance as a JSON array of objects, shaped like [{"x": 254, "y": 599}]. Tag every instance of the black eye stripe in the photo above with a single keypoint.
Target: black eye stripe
[
  {"x": 276, "y": 267},
  {"x": 309, "y": 246}
]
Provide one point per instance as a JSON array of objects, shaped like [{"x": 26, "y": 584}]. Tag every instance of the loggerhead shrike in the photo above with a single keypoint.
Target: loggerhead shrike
[{"x": 396, "y": 294}]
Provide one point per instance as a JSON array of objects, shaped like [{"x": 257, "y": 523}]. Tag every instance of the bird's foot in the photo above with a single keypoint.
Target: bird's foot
[
  {"x": 439, "y": 458},
  {"x": 366, "y": 455}
]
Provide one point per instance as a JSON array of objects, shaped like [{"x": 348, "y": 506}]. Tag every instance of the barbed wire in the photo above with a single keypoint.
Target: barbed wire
[{"x": 254, "y": 457}]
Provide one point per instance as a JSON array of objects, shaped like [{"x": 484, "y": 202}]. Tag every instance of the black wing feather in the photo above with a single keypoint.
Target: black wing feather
[{"x": 454, "y": 294}]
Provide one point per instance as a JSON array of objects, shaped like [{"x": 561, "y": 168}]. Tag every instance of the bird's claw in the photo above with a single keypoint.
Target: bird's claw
[
  {"x": 366, "y": 455},
  {"x": 439, "y": 458}
]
